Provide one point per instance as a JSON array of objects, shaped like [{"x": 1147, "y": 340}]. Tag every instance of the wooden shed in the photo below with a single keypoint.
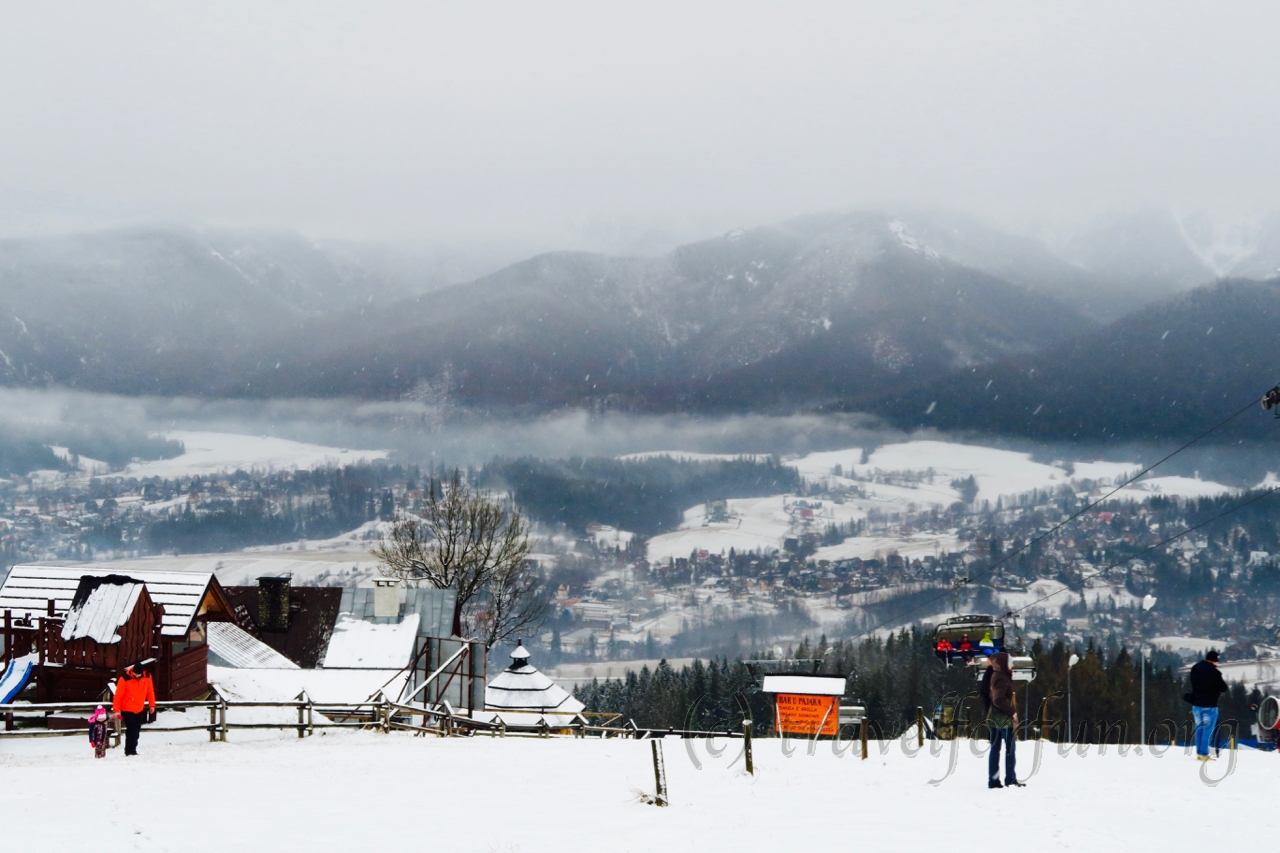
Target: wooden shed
[{"x": 87, "y": 625}]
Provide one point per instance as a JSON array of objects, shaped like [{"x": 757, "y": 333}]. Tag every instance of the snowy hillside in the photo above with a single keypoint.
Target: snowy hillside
[{"x": 274, "y": 792}]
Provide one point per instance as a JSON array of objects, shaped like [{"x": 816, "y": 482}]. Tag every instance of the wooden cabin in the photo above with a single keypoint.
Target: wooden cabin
[{"x": 87, "y": 625}]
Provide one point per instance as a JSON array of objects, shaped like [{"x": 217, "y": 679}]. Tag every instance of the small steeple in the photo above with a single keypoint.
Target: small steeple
[{"x": 519, "y": 656}]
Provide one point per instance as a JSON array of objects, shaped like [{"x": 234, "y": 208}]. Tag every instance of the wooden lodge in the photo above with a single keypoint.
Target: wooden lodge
[{"x": 87, "y": 625}]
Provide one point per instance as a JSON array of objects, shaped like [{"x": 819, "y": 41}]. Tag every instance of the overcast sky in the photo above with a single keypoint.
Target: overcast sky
[{"x": 544, "y": 122}]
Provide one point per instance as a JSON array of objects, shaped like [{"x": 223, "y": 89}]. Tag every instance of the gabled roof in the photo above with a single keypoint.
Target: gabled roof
[
  {"x": 100, "y": 606},
  {"x": 28, "y": 588}
]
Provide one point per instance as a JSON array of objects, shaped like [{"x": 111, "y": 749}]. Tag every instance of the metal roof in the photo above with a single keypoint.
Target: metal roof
[
  {"x": 433, "y": 606},
  {"x": 28, "y": 589},
  {"x": 230, "y": 646}
]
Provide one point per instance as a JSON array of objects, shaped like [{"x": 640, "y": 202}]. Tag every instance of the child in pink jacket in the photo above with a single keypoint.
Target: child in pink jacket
[{"x": 98, "y": 731}]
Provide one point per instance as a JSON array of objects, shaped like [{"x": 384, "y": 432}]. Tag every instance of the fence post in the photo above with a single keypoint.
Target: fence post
[
  {"x": 115, "y": 725},
  {"x": 213, "y": 723},
  {"x": 302, "y": 731},
  {"x": 862, "y": 734},
  {"x": 222, "y": 719},
  {"x": 746, "y": 747},
  {"x": 311, "y": 720},
  {"x": 386, "y": 715},
  {"x": 920, "y": 726},
  {"x": 659, "y": 773}
]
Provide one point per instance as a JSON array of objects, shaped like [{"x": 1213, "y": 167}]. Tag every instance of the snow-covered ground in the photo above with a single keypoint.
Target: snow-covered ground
[
  {"x": 365, "y": 791},
  {"x": 1173, "y": 487},
  {"x": 1047, "y": 597},
  {"x": 754, "y": 524},
  {"x": 311, "y": 567},
  {"x": 215, "y": 452},
  {"x": 903, "y": 479},
  {"x": 877, "y": 547}
]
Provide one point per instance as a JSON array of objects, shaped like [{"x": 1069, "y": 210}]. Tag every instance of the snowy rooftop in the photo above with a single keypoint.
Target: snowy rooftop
[
  {"x": 522, "y": 687},
  {"x": 29, "y": 588},
  {"x": 806, "y": 685},
  {"x": 357, "y": 644},
  {"x": 100, "y": 607}
]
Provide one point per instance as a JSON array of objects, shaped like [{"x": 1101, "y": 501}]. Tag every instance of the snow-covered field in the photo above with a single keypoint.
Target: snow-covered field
[
  {"x": 215, "y": 452},
  {"x": 349, "y": 566},
  {"x": 754, "y": 524},
  {"x": 876, "y": 547},
  {"x": 903, "y": 479},
  {"x": 366, "y": 791}
]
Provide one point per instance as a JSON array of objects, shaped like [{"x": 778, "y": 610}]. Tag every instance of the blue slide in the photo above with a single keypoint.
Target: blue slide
[{"x": 16, "y": 675}]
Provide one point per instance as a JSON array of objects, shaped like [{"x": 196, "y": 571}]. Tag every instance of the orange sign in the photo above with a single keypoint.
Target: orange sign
[{"x": 798, "y": 714}]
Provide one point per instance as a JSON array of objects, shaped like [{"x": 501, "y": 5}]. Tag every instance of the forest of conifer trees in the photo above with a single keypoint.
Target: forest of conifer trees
[{"x": 895, "y": 676}]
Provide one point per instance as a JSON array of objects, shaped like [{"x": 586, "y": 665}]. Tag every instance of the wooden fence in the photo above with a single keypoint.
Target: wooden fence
[{"x": 377, "y": 713}]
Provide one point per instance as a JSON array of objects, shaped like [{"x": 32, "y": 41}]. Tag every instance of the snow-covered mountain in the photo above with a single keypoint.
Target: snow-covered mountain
[{"x": 809, "y": 310}]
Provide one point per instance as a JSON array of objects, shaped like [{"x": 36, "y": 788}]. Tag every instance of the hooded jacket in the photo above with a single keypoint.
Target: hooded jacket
[
  {"x": 134, "y": 693},
  {"x": 1003, "y": 700}
]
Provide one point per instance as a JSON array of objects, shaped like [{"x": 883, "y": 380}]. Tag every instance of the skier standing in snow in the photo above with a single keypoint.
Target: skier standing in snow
[
  {"x": 134, "y": 691},
  {"x": 98, "y": 732},
  {"x": 1002, "y": 719},
  {"x": 1207, "y": 685}
]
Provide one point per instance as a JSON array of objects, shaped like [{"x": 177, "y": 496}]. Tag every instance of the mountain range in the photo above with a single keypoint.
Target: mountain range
[{"x": 892, "y": 313}]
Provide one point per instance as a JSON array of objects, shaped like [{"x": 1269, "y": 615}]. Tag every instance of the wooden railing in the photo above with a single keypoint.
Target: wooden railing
[{"x": 377, "y": 713}]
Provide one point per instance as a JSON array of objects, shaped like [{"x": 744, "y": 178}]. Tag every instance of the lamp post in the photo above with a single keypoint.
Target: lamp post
[
  {"x": 1148, "y": 602},
  {"x": 1071, "y": 661}
]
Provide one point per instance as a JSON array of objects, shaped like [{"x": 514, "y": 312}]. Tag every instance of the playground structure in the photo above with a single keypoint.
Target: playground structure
[{"x": 84, "y": 626}]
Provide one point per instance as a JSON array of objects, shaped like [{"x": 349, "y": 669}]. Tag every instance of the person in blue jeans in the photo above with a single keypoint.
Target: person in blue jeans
[
  {"x": 1003, "y": 722},
  {"x": 1207, "y": 685}
]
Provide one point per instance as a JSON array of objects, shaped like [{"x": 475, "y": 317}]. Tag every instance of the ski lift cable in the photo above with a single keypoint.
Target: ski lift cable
[
  {"x": 1219, "y": 425},
  {"x": 1163, "y": 542}
]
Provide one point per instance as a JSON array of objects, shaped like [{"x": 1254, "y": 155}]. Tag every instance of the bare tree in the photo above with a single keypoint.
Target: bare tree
[{"x": 467, "y": 540}]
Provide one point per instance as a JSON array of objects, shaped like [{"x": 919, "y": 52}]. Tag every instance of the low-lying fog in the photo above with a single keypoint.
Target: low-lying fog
[{"x": 415, "y": 434}]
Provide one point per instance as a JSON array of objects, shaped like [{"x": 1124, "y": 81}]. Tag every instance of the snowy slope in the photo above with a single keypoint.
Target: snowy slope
[
  {"x": 282, "y": 794},
  {"x": 215, "y": 452}
]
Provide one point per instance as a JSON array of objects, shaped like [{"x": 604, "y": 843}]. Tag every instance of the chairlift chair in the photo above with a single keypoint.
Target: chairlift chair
[{"x": 984, "y": 635}]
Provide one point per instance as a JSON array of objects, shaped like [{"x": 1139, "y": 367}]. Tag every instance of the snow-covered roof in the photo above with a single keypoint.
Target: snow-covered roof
[
  {"x": 236, "y": 648},
  {"x": 357, "y": 644},
  {"x": 100, "y": 606},
  {"x": 521, "y": 687},
  {"x": 339, "y": 686},
  {"x": 28, "y": 589},
  {"x": 805, "y": 685}
]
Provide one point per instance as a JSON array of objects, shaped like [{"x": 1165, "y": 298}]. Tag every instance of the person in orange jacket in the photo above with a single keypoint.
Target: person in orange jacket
[{"x": 134, "y": 692}]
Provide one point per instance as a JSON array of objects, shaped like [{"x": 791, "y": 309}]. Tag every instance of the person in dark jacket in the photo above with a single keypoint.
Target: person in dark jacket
[
  {"x": 1002, "y": 721},
  {"x": 1207, "y": 685},
  {"x": 984, "y": 687}
]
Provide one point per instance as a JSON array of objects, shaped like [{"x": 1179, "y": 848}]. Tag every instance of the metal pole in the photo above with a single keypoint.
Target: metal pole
[{"x": 1143, "y": 663}]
